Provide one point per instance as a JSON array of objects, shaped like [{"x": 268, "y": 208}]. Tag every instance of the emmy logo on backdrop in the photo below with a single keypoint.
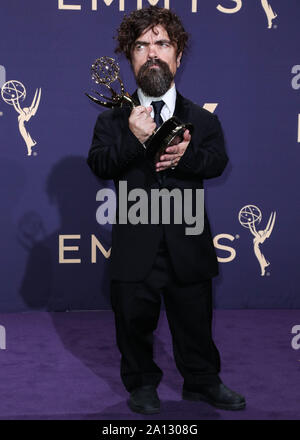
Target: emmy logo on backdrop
[
  {"x": 248, "y": 216},
  {"x": 271, "y": 15},
  {"x": 12, "y": 92}
]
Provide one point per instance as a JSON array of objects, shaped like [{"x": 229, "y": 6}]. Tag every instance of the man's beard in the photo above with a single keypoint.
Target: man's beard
[{"x": 154, "y": 81}]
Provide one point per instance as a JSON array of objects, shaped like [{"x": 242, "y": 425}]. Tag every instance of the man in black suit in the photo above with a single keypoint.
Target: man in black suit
[{"x": 148, "y": 260}]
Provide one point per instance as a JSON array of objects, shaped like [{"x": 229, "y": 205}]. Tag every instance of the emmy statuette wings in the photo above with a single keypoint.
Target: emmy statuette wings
[{"x": 105, "y": 71}]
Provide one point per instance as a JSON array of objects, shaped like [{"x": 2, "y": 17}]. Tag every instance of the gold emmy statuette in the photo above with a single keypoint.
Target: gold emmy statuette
[{"x": 105, "y": 71}]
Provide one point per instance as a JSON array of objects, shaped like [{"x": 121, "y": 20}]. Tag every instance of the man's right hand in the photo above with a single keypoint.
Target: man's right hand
[{"x": 141, "y": 124}]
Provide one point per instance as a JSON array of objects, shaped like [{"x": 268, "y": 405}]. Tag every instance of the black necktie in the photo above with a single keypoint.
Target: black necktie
[{"x": 157, "y": 106}]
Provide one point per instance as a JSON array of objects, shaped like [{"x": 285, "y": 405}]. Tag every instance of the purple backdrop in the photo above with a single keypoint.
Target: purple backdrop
[{"x": 237, "y": 59}]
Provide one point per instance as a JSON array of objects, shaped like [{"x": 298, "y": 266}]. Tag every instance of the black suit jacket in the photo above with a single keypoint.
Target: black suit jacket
[{"x": 117, "y": 154}]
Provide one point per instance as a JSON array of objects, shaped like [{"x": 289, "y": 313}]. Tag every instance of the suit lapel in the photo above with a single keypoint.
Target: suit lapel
[
  {"x": 135, "y": 97},
  {"x": 181, "y": 108}
]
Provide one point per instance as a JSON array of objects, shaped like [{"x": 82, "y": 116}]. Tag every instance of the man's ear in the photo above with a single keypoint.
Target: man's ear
[{"x": 179, "y": 59}]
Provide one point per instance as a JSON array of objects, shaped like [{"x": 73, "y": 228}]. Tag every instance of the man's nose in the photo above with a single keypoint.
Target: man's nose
[{"x": 152, "y": 51}]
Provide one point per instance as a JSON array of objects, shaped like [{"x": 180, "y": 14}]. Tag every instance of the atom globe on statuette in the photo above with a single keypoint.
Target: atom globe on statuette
[
  {"x": 12, "y": 92},
  {"x": 249, "y": 215}
]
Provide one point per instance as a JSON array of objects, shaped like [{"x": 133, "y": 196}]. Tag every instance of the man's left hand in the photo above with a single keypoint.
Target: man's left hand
[{"x": 173, "y": 154}]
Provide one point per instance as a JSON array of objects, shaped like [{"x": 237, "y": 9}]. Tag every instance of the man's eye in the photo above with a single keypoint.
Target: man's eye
[{"x": 139, "y": 46}]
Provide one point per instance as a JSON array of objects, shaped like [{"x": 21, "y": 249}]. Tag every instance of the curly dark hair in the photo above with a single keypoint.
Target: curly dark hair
[{"x": 134, "y": 24}]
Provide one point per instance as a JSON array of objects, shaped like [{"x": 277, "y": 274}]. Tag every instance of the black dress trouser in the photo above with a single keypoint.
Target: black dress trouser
[{"x": 189, "y": 312}]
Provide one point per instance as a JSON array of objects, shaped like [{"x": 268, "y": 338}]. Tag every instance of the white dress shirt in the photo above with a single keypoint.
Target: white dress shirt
[
  {"x": 169, "y": 98},
  {"x": 168, "y": 109}
]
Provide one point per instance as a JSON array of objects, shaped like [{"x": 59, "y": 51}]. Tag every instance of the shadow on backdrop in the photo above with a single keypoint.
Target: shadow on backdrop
[{"x": 53, "y": 286}]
